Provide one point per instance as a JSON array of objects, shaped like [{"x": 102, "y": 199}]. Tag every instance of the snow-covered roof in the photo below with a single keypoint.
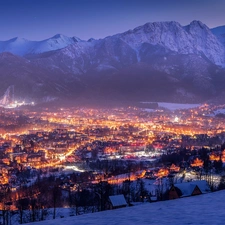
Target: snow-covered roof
[
  {"x": 117, "y": 200},
  {"x": 187, "y": 188},
  {"x": 153, "y": 198}
]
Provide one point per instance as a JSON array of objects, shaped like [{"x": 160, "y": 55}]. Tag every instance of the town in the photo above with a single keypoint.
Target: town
[{"x": 78, "y": 157}]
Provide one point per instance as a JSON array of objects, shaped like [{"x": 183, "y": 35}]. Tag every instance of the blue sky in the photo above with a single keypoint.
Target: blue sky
[{"x": 40, "y": 19}]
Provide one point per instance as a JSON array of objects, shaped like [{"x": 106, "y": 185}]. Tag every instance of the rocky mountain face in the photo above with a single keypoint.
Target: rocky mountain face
[{"x": 160, "y": 61}]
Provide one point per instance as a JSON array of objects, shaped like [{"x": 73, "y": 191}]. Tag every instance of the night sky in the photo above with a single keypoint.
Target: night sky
[{"x": 41, "y": 19}]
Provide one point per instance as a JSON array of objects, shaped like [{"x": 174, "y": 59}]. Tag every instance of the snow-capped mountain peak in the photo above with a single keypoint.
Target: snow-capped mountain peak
[
  {"x": 195, "y": 38},
  {"x": 59, "y": 36},
  {"x": 199, "y": 24},
  {"x": 22, "y": 46},
  {"x": 18, "y": 39}
]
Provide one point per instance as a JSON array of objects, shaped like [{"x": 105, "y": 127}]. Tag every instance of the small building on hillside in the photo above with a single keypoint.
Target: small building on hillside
[
  {"x": 117, "y": 201},
  {"x": 189, "y": 189}
]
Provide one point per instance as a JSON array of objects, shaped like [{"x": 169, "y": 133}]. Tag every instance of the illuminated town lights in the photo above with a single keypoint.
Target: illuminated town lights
[
  {"x": 197, "y": 163},
  {"x": 214, "y": 157},
  {"x": 62, "y": 158},
  {"x": 162, "y": 173},
  {"x": 174, "y": 168}
]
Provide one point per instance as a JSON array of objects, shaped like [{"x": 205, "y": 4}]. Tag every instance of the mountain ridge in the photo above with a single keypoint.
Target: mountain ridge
[
  {"x": 156, "y": 61},
  {"x": 60, "y": 41}
]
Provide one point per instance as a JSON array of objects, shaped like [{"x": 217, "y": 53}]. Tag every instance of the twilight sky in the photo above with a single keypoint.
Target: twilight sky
[{"x": 41, "y": 19}]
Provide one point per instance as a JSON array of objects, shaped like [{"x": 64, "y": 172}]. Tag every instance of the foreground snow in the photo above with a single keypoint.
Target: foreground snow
[{"x": 203, "y": 209}]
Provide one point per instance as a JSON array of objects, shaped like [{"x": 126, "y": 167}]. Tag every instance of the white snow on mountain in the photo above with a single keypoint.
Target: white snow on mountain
[
  {"x": 195, "y": 38},
  {"x": 17, "y": 46},
  {"x": 21, "y": 46},
  {"x": 58, "y": 41},
  {"x": 203, "y": 209}
]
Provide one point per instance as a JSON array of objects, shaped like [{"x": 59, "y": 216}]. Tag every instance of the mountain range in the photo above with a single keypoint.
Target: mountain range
[{"x": 160, "y": 61}]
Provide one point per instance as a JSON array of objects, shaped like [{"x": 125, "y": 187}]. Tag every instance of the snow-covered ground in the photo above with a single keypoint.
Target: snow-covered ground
[
  {"x": 202, "y": 209},
  {"x": 219, "y": 111},
  {"x": 175, "y": 106}
]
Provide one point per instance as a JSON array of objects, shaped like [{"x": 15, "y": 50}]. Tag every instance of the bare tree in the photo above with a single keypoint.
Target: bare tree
[
  {"x": 56, "y": 193},
  {"x": 5, "y": 199}
]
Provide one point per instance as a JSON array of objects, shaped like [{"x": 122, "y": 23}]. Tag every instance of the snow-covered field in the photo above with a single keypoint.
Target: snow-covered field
[
  {"x": 175, "y": 106},
  {"x": 219, "y": 111},
  {"x": 202, "y": 209}
]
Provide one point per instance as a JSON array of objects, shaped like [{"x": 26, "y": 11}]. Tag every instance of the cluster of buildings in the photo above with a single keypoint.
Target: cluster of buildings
[{"x": 69, "y": 137}]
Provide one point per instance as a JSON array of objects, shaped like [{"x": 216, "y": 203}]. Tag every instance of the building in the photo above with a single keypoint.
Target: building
[
  {"x": 189, "y": 189},
  {"x": 117, "y": 201}
]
